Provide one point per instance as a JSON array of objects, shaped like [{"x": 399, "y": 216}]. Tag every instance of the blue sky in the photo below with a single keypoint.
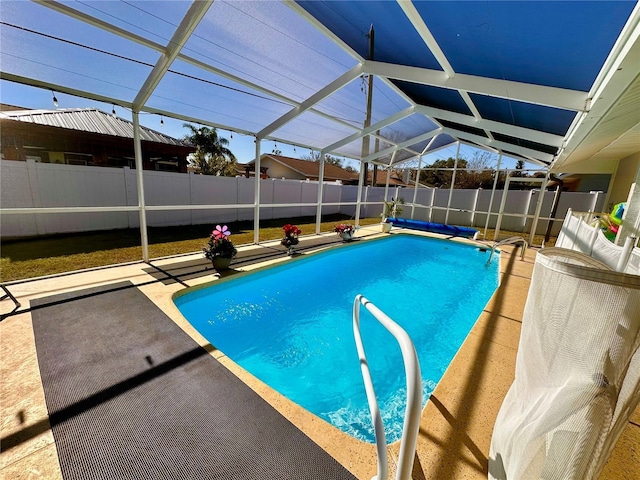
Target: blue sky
[{"x": 241, "y": 145}]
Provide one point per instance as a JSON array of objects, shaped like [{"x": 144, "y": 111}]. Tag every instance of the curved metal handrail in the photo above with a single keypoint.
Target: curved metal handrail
[
  {"x": 510, "y": 241},
  {"x": 414, "y": 392}
]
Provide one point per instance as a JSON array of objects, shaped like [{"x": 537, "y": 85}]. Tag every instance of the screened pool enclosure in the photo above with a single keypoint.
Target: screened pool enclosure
[{"x": 384, "y": 83}]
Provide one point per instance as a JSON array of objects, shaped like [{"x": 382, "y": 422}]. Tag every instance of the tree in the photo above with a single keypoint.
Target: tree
[
  {"x": 519, "y": 168},
  {"x": 212, "y": 157},
  {"x": 441, "y": 178},
  {"x": 475, "y": 173},
  {"x": 519, "y": 174},
  {"x": 479, "y": 173}
]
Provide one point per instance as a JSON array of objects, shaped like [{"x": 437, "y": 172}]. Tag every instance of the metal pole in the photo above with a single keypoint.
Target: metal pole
[
  {"x": 453, "y": 181},
  {"x": 433, "y": 199},
  {"x": 320, "y": 193},
  {"x": 386, "y": 185},
  {"x": 536, "y": 216},
  {"x": 367, "y": 120},
  {"x": 415, "y": 188},
  {"x": 493, "y": 192},
  {"x": 554, "y": 209},
  {"x": 526, "y": 209},
  {"x": 502, "y": 204},
  {"x": 137, "y": 148},
  {"x": 359, "y": 199},
  {"x": 256, "y": 197},
  {"x": 364, "y": 166}
]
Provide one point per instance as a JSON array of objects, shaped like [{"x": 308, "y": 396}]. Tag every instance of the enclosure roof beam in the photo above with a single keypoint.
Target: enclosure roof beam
[
  {"x": 524, "y": 92},
  {"x": 320, "y": 95},
  {"x": 525, "y": 152},
  {"x": 12, "y": 77},
  {"x": 192, "y": 18},
  {"x": 96, "y": 22},
  {"x": 402, "y": 145},
  {"x": 491, "y": 125},
  {"x": 373, "y": 128},
  {"x": 418, "y": 23}
]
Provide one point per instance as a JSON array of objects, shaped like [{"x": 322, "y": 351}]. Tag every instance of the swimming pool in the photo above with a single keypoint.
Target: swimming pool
[{"x": 290, "y": 325}]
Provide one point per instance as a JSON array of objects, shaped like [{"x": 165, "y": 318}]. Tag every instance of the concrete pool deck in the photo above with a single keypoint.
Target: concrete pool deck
[{"x": 456, "y": 424}]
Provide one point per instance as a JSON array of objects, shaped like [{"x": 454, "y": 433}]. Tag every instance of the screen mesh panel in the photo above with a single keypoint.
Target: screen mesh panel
[{"x": 577, "y": 371}]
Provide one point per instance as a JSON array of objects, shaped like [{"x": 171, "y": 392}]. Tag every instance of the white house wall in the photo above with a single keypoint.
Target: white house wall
[{"x": 627, "y": 170}]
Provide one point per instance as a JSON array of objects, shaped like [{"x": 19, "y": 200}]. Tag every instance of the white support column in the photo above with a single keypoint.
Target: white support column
[
  {"x": 415, "y": 190},
  {"x": 594, "y": 205},
  {"x": 137, "y": 147},
  {"x": 453, "y": 181},
  {"x": 192, "y": 18},
  {"x": 525, "y": 211},
  {"x": 359, "y": 198},
  {"x": 32, "y": 176},
  {"x": 433, "y": 200},
  {"x": 536, "y": 216},
  {"x": 502, "y": 204},
  {"x": 493, "y": 192},
  {"x": 256, "y": 197},
  {"x": 386, "y": 186},
  {"x": 415, "y": 187},
  {"x": 320, "y": 192}
]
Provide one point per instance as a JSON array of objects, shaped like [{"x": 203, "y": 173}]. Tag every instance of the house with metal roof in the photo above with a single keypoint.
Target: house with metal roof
[{"x": 86, "y": 136}]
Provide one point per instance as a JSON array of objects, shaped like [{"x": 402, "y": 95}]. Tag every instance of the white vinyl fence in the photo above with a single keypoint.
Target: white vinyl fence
[{"x": 42, "y": 185}]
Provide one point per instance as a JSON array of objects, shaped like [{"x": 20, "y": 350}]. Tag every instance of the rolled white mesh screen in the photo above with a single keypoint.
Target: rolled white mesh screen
[
  {"x": 606, "y": 251},
  {"x": 576, "y": 234},
  {"x": 577, "y": 371},
  {"x": 633, "y": 266}
]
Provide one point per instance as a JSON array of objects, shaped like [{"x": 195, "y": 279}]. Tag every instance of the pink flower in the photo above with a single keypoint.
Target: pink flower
[{"x": 220, "y": 232}]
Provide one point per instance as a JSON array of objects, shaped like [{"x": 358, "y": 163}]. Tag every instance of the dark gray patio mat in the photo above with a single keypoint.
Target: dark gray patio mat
[{"x": 131, "y": 396}]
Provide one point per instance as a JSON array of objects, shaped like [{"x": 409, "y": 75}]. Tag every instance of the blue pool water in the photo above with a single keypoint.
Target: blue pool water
[{"x": 291, "y": 325}]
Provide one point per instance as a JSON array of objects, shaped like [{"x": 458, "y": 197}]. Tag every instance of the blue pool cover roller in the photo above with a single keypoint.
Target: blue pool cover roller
[{"x": 435, "y": 227}]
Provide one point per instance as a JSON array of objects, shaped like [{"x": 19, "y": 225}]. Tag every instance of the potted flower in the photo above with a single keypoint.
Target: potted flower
[
  {"x": 345, "y": 230},
  {"x": 290, "y": 238},
  {"x": 391, "y": 209},
  {"x": 220, "y": 249}
]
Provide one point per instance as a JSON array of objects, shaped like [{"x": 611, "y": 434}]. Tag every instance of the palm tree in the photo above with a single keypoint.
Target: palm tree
[{"x": 212, "y": 157}]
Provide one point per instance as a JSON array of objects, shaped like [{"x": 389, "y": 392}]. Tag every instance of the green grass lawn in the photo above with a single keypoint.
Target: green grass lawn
[
  {"x": 48, "y": 255},
  {"x": 36, "y": 257}
]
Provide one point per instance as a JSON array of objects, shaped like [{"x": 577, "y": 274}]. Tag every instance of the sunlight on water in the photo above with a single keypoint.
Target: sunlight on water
[{"x": 291, "y": 325}]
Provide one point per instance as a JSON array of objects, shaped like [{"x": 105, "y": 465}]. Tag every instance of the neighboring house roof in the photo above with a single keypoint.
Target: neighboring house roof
[
  {"x": 311, "y": 169},
  {"x": 89, "y": 120},
  {"x": 381, "y": 179}
]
